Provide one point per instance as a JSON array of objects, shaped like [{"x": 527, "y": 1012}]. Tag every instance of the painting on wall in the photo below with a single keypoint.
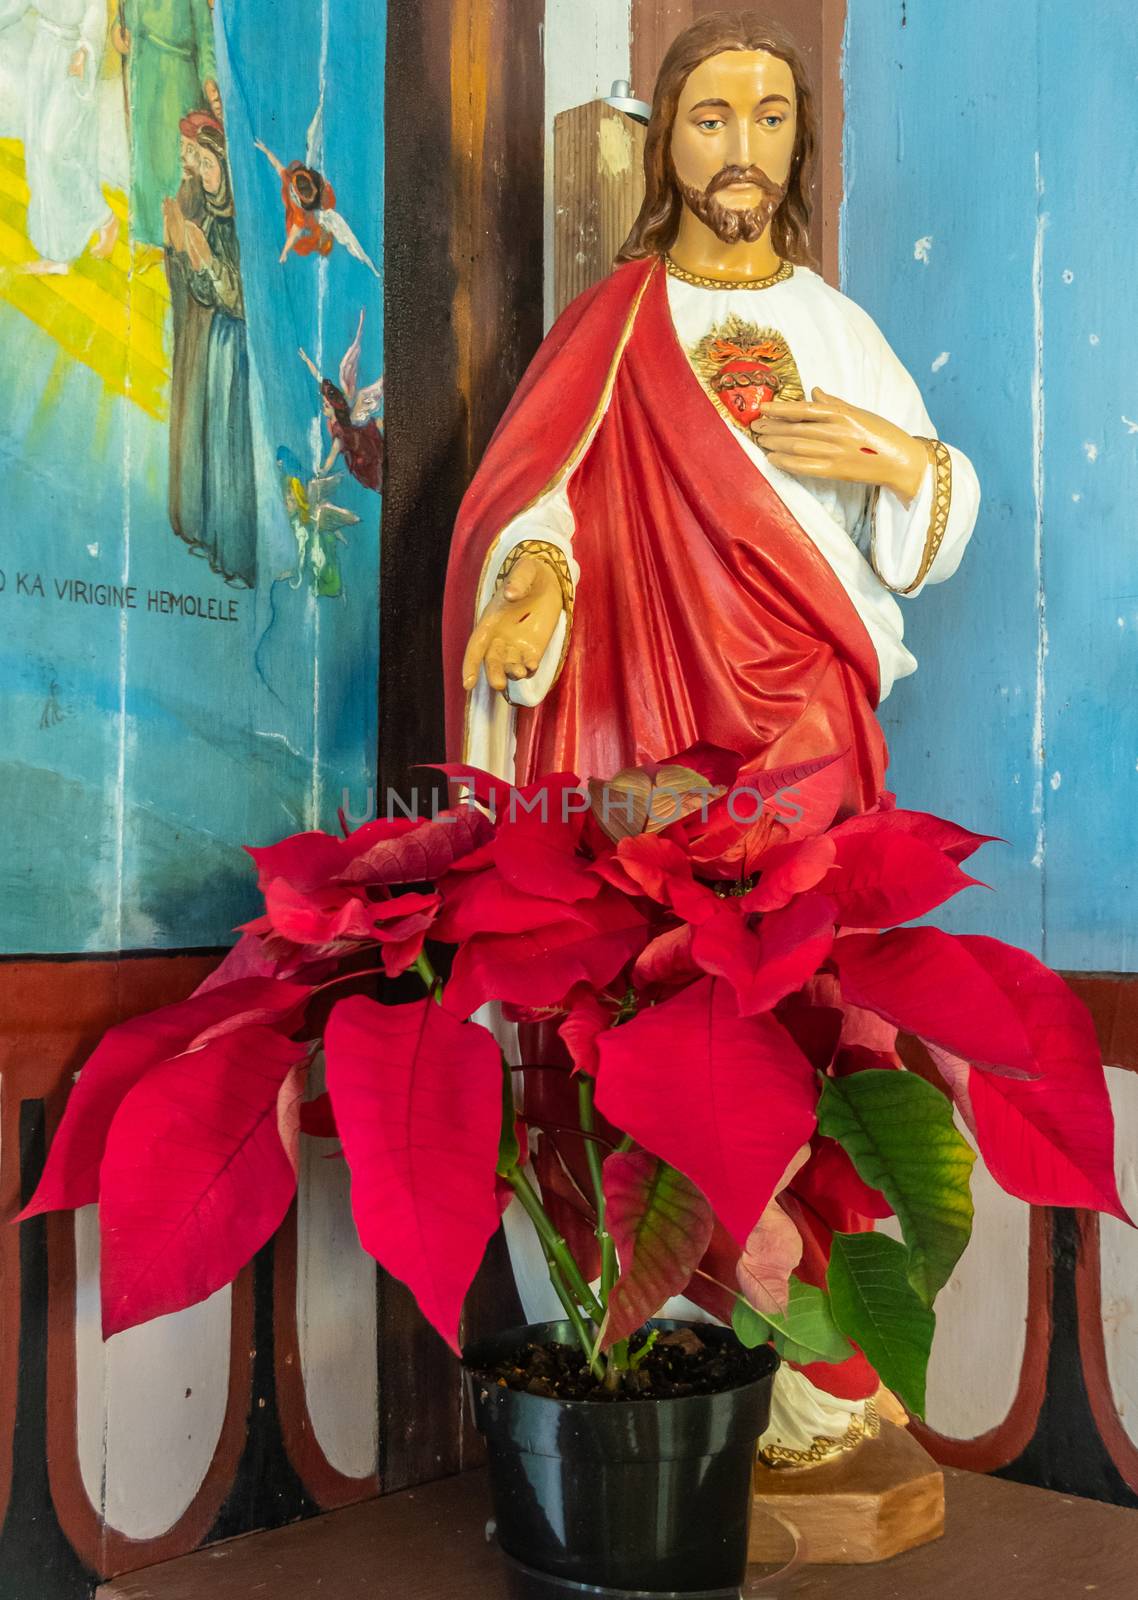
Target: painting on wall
[{"x": 191, "y": 335}]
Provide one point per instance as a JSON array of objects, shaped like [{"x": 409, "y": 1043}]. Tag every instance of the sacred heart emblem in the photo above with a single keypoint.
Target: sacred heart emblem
[
  {"x": 744, "y": 367},
  {"x": 745, "y": 384}
]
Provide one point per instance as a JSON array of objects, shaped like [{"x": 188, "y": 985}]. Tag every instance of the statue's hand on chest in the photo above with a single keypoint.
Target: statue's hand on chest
[
  {"x": 825, "y": 437},
  {"x": 514, "y": 630}
]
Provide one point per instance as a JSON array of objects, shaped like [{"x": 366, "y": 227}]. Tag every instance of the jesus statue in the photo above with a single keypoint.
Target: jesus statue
[{"x": 694, "y": 521}]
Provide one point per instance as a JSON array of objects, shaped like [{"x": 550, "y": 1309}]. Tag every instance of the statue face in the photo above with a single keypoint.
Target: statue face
[{"x": 733, "y": 140}]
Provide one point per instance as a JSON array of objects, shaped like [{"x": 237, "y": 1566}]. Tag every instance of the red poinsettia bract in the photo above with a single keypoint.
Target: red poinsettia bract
[{"x": 707, "y": 970}]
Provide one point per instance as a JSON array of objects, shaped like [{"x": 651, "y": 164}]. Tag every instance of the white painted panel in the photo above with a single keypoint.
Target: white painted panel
[
  {"x": 587, "y": 46},
  {"x": 90, "y": 1394},
  {"x": 150, "y": 1404},
  {"x": 336, "y": 1316},
  {"x": 982, "y": 1318},
  {"x": 1120, "y": 1259},
  {"x": 981, "y": 1314}
]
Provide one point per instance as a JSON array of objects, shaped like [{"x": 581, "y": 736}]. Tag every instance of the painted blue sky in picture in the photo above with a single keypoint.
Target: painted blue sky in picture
[
  {"x": 990, "y": 232},
  {"x": 188, "y": 585}
]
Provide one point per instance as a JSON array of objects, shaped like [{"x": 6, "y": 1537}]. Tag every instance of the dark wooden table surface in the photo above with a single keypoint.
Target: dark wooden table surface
[{"x": 1004, "y": 1542}]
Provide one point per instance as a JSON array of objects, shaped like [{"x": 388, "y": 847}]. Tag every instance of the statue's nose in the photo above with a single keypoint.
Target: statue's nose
[{"x": 743, "y": 140}]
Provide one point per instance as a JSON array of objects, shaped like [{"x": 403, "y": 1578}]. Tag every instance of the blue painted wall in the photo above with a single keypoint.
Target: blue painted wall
[{"x": 989, "y": 227}]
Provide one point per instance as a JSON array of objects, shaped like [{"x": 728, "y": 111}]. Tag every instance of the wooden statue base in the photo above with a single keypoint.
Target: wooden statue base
[{"x": 885, "y": 1497}]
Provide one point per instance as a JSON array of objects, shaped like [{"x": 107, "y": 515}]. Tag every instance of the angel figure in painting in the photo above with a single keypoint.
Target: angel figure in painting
[
  {"x": 696, "y": 519},
  {"x": 317, "y": 525},
  {"x": 312, "y": 223},
  {"x": 353, "y": 414}
]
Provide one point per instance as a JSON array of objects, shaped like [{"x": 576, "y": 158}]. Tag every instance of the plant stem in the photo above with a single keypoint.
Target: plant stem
[
  {"x": 429, "y": 976},
  {"x": 348, "y": 977},
  {"x": 573, "y": 1312},
  {"x": 577, "y": 1133},
  {"x": 554, "y": 1245},
  {"x": 593, "y": 1156}
]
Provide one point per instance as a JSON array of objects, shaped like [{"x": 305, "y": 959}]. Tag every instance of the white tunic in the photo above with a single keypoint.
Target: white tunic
[
  {"x": 61, "y": 144},
  {"x": 835, "y": 346}
]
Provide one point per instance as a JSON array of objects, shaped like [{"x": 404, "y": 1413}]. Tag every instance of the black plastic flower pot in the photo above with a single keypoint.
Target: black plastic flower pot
[{"x": 621, "y": 1498}]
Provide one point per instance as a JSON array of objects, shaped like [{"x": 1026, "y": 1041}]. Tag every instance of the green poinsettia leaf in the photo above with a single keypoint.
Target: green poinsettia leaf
[
  {"x": 874, "y": 1304},
  {"x": 899, "y": 1133},
  {"x": 805, "y": 1334},
  {"x": 751, "y": 1330}
]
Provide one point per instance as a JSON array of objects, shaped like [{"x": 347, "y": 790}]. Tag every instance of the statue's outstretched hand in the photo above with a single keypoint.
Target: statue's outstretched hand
[
  {"x": 825, "y": 437},
  {"x": 514, "y": 630}
]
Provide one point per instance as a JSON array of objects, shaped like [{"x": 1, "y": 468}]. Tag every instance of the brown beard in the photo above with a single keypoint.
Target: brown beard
[{"x": 729, "y": 223}]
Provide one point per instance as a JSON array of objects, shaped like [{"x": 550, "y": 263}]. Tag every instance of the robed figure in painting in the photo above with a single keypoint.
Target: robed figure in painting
[
  {"x": 172, "y": 67},
  {"x": 212, "y": 491},
  {"x": 715, "y": 479}
]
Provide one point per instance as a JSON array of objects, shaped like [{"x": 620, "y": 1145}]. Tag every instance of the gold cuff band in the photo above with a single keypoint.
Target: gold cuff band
[
  {"x": 941, "y": 459},
  {"x": 554, "y": 557}
]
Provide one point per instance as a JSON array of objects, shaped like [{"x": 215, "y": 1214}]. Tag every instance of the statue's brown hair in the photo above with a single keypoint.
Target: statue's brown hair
[{"x": 655, "y": 229}]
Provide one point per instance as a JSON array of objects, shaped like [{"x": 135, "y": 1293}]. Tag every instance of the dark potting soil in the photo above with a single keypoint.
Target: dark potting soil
[{"x": 680, "y": 1363}]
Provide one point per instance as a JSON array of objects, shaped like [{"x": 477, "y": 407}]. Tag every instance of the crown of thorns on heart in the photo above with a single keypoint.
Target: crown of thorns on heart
[{"x": 744, "y": 367}]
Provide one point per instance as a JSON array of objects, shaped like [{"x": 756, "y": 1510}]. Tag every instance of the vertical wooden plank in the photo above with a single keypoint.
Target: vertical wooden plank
[
  {"x": 424, "y": 411},
  {"x": 463, "y": 316},
  {"x": 598, "y": 185},
  {"x": 587, "y": 48},
  {"x": 655, "y": 24},
  {"x": 463, "y": 311},
  {"x": 829, "y": 178},
  {"x": 1090, "y": 554},
  {"x": 498, "y": 240},
  {"x": 426, "y": 425},
  {"x": 971, "y": 249},
  {"x": 941, "y": 239}
]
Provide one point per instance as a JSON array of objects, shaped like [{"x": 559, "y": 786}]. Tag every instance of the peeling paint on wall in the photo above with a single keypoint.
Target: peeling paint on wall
[{"x": 614, "y": 148}]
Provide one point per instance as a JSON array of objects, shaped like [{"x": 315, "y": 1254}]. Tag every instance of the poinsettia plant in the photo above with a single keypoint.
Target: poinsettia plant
[{"x": 706, "y": 973}]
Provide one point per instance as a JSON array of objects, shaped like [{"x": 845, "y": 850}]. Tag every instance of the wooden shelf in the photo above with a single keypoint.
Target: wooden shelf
[{"x": 1003, "y": 1542}]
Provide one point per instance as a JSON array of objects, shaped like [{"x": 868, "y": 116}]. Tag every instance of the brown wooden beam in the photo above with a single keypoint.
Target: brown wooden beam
[
  {"x": 462, "y": 307},
  {"x": 463, "y": 316}
]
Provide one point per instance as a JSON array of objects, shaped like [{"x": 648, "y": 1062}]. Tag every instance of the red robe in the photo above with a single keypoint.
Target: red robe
[{"x": 704, "y": 612}]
